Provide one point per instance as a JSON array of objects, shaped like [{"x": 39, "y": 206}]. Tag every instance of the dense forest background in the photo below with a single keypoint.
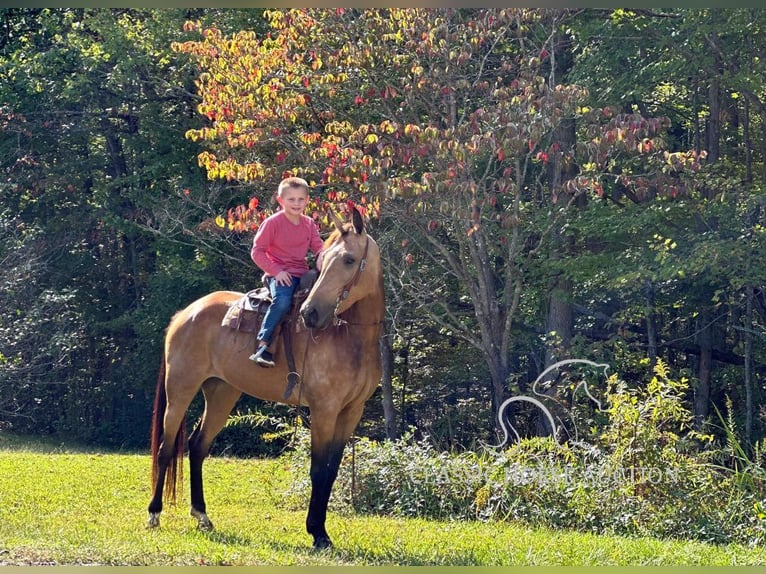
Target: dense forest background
[{"x": 545, "y": 184}]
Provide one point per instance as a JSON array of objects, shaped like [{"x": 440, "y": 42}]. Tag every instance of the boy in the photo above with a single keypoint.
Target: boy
[{"x": 279, "y": 249}]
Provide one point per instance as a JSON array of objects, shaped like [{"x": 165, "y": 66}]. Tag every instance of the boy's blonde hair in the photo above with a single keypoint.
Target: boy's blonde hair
[{"x": 292, "y": 182}]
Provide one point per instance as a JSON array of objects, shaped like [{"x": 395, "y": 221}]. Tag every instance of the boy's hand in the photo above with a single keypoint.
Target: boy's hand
[{"x": 283, "y": 278}]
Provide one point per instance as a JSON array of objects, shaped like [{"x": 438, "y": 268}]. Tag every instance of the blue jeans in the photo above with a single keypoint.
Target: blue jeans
[{"x": 281, "y": 300}]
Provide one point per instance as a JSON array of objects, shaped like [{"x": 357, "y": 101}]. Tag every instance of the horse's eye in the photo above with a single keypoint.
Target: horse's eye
[{"x": 348, "y": 260}]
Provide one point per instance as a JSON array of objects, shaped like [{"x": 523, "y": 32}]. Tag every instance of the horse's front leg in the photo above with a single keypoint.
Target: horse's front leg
[
  {"x": 325, "y": 462},
  {"x": 328, "y": 440}
]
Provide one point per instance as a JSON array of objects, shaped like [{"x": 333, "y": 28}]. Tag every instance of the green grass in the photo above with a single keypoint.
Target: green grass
[{"x": 67, "y": 507}]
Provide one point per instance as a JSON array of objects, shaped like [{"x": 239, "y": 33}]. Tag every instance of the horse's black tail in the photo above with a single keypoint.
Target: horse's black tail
[{"x": 174, "y": 474}]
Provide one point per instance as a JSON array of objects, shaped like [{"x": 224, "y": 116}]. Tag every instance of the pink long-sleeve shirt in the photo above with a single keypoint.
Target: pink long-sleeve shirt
[{"x": 280, "y": 245}]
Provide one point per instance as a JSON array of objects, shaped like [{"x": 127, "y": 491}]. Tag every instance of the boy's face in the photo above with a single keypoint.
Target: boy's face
[{"x": 293, "y": 200}]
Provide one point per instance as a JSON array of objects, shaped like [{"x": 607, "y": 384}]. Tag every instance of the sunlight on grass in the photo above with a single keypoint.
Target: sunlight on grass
[{"x": 89, "y": 508}]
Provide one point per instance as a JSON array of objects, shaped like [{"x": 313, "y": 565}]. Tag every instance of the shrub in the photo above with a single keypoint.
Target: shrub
[
  {"x": 642, "y": 477},
  {"x": 254, "y": 433}
]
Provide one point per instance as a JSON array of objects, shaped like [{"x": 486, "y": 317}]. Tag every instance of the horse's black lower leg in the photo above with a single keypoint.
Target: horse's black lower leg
[
  {"x": 197, "y": 454},
  {"x": 324, "y": 471},
  {"x": 155, "y": 505}
]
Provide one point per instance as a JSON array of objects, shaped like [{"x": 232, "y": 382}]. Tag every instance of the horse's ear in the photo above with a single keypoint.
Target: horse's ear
[
  {"x": 358, "y": 221},
  {"x": 335, "y": 220}
]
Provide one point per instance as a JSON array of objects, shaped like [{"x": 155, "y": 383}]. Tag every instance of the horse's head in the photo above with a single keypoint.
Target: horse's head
[{"x": 350, "y": 272}]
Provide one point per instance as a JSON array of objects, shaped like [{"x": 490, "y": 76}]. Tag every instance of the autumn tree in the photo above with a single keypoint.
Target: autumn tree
[{"x": 441, "y": 121}]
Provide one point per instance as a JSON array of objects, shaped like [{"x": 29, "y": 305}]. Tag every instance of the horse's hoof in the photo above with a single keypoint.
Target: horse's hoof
[
  {"x": 322, "y": 542},
  {"x": 154, "y": 520},
  {"x": 203, "y": 522}
]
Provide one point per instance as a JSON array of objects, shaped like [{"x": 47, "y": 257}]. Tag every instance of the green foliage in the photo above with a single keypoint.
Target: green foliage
[
  {"x": 97, "y": 248},
  {"x": 649, "y": 427},
  {"x": 265, "y": 431}
]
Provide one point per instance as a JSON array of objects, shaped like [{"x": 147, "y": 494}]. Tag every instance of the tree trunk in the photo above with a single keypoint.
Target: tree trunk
[
  {"x": 651, "y": 324},
  {"x": 498, "y": 376},
  {"x": 702, "y": 396},
  {"x": 405, "y": 381},
  {"x": 763, "y": 144},
  {"x": 748, "y": 142},
  {"x": 559, "y": 323},
  {"x": 713, "y": 133},
  {"x": 704, "y": 324},
  {"x": 748, "y": 367},
  {"x": 389, "y": 411}
]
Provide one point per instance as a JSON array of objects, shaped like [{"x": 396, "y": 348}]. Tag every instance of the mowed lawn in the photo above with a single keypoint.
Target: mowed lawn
[{"x": 85, "y": 508}]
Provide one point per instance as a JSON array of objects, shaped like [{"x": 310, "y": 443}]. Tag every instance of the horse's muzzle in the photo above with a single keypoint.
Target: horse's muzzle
[{"x": 313, "y": 318}]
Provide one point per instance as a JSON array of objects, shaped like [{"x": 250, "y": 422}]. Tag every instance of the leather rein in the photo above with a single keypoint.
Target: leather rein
[{"x": 293, "y": 377}]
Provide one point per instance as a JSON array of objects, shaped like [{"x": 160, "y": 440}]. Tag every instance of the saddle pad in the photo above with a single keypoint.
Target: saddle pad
[{"x": 246, "y": 313}]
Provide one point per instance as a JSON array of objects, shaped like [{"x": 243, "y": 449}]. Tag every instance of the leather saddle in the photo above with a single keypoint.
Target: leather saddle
[{"x": 246, "y": 313}]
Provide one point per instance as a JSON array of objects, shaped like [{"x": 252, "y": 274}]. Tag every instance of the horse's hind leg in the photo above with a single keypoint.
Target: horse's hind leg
[
  {"x": 165, "y": 457},
  {"x": 220, "y": 398},
  {"x": 168, "y": 455}
]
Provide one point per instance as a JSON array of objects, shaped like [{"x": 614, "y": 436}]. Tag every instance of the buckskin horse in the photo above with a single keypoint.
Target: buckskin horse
[{"x": 336, "y": 357}]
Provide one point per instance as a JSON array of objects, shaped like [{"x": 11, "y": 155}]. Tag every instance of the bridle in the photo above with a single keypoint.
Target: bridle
[
  {"x": 293, "y": 376},
  {"x": 344, "y": 292},
  {"x": 355, "y": 279}
]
